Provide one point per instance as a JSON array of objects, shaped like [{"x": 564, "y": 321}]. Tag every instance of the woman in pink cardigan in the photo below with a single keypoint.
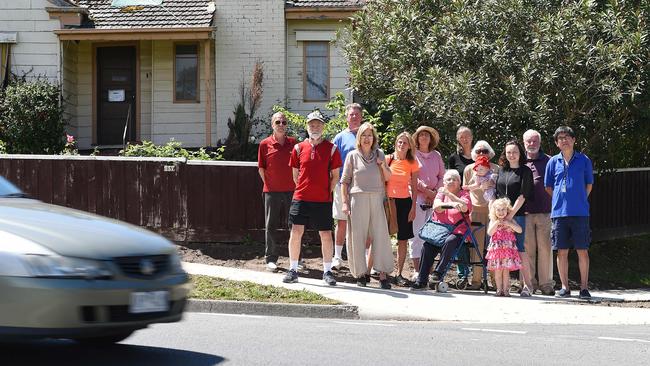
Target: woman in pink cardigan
[{"x": 432, "y": 169}]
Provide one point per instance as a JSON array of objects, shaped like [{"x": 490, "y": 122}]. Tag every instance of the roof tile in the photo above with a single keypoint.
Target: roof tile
[
  {"x": 172, "y": 13},
  {"x": 325, "y": 4}
]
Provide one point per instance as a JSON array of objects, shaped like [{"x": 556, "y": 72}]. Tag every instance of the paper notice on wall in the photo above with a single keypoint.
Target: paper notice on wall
[{"x": 116, "y": 95}]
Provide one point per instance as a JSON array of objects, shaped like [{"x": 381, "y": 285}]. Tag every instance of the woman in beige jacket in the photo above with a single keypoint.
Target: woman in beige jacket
[{"x": 362, "y": 188}]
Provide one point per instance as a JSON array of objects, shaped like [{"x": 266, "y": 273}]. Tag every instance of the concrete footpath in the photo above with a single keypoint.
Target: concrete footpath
[{"x": 462, "y": 306}]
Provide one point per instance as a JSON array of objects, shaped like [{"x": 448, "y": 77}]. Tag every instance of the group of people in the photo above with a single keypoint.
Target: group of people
[{"x": 529, "y": 204}]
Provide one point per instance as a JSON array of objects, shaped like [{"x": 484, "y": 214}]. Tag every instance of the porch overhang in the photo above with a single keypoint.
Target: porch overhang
[{"x": 131, "y": 34}]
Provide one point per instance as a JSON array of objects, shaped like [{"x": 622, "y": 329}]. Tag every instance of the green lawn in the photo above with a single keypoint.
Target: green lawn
[{"x": 214, "y": 288}]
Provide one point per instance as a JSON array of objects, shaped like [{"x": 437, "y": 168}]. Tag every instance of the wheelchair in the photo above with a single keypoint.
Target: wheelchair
[{"x": 468, "y": 241}]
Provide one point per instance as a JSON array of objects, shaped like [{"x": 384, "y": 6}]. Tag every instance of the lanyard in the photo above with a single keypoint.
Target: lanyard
[{"x": 565, "y": 175}]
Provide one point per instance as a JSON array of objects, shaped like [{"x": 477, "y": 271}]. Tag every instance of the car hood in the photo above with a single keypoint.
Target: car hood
[{"x": 76, "y": 233}]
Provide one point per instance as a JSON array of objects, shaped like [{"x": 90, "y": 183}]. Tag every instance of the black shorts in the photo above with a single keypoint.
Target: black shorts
[
  {"x": 404, "y": 226},
  {"x": 316, "y": 215}
]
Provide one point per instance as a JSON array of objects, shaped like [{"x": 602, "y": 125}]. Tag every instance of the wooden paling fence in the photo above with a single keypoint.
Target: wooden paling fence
[{"x": 201, "y": 201}]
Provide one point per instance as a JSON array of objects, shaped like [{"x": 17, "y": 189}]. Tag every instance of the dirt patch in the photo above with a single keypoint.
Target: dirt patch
[{"x": 250, "y": 255}]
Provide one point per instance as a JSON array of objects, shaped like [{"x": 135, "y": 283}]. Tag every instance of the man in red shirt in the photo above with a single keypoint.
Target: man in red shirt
[
  {"x": 315, "y": 163},
  {"x": 273, "y": 165}
]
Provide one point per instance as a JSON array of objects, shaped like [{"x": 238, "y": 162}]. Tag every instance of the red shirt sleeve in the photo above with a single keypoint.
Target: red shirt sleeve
[
  {"x": 336, "y": 160},
  {"x": 294, "y": 159},
  {"x": 261, "y": 155}
]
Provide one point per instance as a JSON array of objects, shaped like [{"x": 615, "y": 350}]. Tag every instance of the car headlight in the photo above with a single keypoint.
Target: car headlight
[
  {"x": 54, "y": 266},
  {"x": 175, "y": 263}
]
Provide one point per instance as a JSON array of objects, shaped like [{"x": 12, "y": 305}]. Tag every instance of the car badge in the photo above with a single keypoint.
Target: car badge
[{"x": 147, "y": 267}]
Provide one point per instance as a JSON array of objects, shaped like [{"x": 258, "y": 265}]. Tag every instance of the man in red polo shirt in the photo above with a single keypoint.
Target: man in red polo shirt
[
  {"x": 315, "y": 163},
  {"x": 273, "y": 164}
]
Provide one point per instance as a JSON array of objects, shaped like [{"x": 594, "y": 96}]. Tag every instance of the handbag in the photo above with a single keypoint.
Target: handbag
[
  {"x": 390, "y": 209},
  {"x": 435, "y": 233}
]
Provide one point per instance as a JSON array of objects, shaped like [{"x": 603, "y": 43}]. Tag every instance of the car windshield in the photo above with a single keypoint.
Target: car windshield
[{"x": 9, "y": 190}]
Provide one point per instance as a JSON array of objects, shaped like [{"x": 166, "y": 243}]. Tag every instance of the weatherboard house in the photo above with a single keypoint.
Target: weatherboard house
[{"x": 134, "y": 70}]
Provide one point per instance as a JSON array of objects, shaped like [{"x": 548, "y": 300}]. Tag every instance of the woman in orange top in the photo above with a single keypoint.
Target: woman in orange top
[{"x": 402, "y": 187}]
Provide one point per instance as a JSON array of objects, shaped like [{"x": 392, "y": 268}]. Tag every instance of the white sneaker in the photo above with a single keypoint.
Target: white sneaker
[
  {"x": 336, "y": 262},
  {"x": 271, "y": 267}
]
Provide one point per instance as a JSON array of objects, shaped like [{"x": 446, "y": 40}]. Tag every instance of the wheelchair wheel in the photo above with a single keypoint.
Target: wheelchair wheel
[
  {"x": 442, "y": 287},
  {"x": 462, "y": 284}
]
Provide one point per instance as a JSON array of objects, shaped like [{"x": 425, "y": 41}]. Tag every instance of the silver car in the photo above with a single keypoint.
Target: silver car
[{"x": 70, "y": 274}]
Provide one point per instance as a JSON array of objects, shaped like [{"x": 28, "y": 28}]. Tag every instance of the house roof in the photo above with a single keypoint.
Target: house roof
[
  {"x": 172, "y": 14},
  {"x": 325, "y": 4}
]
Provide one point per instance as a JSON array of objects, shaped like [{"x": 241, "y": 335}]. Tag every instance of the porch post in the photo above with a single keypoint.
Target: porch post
[{"x": 208, "y": 96}]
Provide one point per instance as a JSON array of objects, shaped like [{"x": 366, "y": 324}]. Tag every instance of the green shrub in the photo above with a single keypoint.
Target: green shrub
[
  {"x": 31, "y": 118},
  {"x": 172, "y": 149},
  {"x": 3, "y": 147}
]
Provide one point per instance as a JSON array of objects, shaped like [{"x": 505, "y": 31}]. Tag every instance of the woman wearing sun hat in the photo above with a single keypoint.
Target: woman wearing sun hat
[{"x": 432, "y": 169}]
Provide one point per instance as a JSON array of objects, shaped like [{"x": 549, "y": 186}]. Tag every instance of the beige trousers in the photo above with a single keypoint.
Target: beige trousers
[
  {"x": 538, "y": 248},
  {"x": 478, "y": 214},
  {"x": 367, "y": 217}
]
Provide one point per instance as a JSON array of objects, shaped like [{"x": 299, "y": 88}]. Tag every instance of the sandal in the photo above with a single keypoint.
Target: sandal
[
  {"x": 499, "y": 293},
  {"x": 525, "y": 292}
]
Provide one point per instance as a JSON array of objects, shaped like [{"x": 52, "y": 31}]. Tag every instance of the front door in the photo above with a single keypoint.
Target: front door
[{"x": 116, "y": 91}]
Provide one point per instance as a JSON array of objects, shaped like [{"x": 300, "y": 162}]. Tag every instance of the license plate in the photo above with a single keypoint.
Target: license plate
[{"x": 149, "y": 302}]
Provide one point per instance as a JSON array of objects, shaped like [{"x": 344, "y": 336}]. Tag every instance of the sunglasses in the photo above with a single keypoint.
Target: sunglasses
[
  {"x": 280, "y": 122},
  {"x": 482, "y": 151}
]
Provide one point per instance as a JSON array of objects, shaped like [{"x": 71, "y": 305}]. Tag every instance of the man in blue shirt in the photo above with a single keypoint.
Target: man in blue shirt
[
  {"x": 569, "y": 179},
  {"x": 345, "y": 142}
]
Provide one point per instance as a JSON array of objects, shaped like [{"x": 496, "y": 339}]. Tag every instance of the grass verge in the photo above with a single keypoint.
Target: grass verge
[{"x": 214, "y": 288}]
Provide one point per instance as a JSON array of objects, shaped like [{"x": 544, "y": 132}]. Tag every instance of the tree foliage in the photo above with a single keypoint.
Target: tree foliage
[{"x": 501, "y": 67}]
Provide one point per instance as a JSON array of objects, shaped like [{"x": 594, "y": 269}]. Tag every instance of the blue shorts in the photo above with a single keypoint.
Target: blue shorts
[
  {"x": 521, "y": 220},
  {"x": 571, "y": 232}
]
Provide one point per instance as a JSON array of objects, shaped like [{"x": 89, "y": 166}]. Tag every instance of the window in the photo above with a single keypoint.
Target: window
[
  {"x": 316, "y": 71},
  {"x": 186, "y": 73}
]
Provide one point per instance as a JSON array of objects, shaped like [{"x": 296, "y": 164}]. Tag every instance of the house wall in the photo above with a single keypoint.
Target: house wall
[
  {"x": 248, "y": 31},
  {"x": 36, "y": 52},
  {"x": 69, "y": 82},
  {"x": 295, "y": 62},
  {"x": 185, "y": 122},
  {"x": 160, "y": 118},
  {"x": 84, "y": 116}
]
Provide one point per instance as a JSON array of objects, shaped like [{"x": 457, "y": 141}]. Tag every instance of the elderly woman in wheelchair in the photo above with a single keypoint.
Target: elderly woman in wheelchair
[{"x": 444, "y": 232}]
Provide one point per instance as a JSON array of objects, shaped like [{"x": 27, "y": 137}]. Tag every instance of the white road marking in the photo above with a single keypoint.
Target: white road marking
[
  {"x": 624, "y": 339},
  {"x": 236, "y": 315},
  {"x": 371, "y": 324},
  {"x": 495, "y": 330}
]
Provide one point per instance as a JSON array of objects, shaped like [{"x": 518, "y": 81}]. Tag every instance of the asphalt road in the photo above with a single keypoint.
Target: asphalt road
[{"x": 218, "y": 339}]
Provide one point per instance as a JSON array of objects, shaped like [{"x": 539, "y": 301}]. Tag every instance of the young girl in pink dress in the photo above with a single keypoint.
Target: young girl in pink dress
[{"x": 502, "y": 254}]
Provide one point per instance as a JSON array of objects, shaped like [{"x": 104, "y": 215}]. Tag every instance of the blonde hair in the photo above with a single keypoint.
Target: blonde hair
[
  {"x": 375, "y": 137},
  {"x": 410, "y": 155},
  {"x": 501, "y": 202}
]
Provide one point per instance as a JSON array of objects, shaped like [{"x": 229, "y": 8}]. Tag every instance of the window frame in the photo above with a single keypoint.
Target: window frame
[
  {"x": 304, "y": 71},
  {"x": 198, "y": 72}
]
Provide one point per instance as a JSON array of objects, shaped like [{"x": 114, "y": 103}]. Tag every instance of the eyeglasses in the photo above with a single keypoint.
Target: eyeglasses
[
  {"x": 282, "y": 122},
  {"x": 482, "y": 151}
]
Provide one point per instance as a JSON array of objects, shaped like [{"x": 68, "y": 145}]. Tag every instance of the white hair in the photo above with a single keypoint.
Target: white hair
[
  {"x": 484, "y": 144},
  {"x": 532, "y": 132},
  {"x": 452, "y": 173}
]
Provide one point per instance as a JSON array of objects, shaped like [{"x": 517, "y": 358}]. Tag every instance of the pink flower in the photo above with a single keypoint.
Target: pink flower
[{"x": 70, "y": 138}]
